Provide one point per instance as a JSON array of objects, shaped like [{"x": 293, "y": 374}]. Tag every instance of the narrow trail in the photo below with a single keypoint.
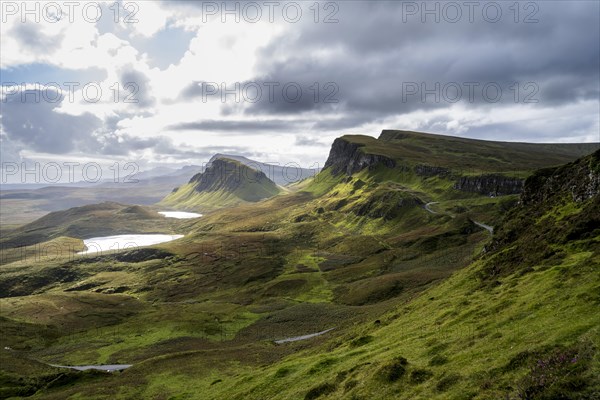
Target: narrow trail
[
  {"x": 488, "y": 228},
  {"x": 303, "y": 337}
]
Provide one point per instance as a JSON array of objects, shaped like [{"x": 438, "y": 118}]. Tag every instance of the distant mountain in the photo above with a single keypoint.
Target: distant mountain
[
  {"x": 152, "y": 176},
  {"x": 224, "y": 182},
  {"x": 158, "y": 176},
  {"x": 282, "y": 175},
  {"x": 22, "y": 203}
]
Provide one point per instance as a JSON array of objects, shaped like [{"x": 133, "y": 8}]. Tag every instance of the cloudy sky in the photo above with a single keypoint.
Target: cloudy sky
[{"x": 171, "y": 83}]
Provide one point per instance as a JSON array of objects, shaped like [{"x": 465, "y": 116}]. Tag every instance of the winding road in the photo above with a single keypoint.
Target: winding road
[
  {"x": 430, "y": 204},
  {"x": 488, "y": 228}
]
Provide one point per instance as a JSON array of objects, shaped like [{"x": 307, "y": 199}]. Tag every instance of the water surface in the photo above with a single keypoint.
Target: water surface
[
  {"x": 179, "y": 214},
  {"x": 124, "y": 242},
  {"x": 107, "y": 368}
]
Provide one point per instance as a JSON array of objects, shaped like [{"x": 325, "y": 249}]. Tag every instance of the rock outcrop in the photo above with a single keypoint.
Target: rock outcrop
[
  {"x": 558, "y": 205},
  {"x": 490, "y": 185},
  {"x": 429, "y": 171},
  {"x": 280, "y": 174},
  {"x": 349, "y": 157},
  {"x": 579, "y": 180}
]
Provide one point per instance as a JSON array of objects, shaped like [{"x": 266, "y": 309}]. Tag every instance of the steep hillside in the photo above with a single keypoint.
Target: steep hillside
[
  {"x": 481, "y": 155},
  {"x": 559, "y": 211},
  {"x": 225, "y": 182}
]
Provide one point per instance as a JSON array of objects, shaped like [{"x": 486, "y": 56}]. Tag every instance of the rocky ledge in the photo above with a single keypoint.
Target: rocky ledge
[
  {"x": 579, "y": 180},
  {"x": 348, "y": 157},
  {"x": 490, "y": 185}
]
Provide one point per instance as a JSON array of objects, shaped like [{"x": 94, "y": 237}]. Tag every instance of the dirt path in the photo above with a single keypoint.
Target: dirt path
[
  {"x": 303, "y": 337},
  {"x": 488, "y": 228}
]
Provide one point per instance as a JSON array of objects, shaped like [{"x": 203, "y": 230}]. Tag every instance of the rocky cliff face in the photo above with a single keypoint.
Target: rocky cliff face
[
  {"x": 228, "y": 175},
  {"x": 224, "y": 183},
  {"x": 490, "y": 185},
  {"x": 535, "y": 233},
  {"x": 429, "y": 170},
  {"x": 347, "y": 157},
  {"x": 580, "y": 181}
]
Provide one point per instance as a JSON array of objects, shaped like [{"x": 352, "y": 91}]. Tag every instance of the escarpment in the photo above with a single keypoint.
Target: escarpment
[
  {"x": 348, "y": 157},
  {"x": 430, "y": 170},
  {"x": 490, "y": 185},
  {"x": 580, "y": 181}
]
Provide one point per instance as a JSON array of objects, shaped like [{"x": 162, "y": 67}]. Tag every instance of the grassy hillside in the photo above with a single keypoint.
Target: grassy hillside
[
  {"x": 226, "y": 182},
  {"x": 423, "y": 302},
  {"x": 476, "y": 155}
]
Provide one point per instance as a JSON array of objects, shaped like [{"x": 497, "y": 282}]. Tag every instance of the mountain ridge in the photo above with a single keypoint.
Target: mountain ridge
[
  {"x": 282, "y": 175},
  {"x": 225, "y": 182}
]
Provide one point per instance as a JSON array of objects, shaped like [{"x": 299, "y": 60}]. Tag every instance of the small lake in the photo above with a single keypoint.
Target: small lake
[
  {"x": 107, "y": 368},
  {"x": 180, "y": 214},
  {"x": 124, "y": 242}
]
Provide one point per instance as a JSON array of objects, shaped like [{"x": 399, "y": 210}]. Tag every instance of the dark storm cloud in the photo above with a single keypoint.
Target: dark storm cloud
[
  {"x": 376, "y": 59},
  {"x": 385, "y": 62},
  {"x": 273, "y": 92},
  {"x": 234, "y": 126},
  {"x": 31, "y": 122},
  {"x": 28, "y": 119},
  {"x": 309, "y": 141}
]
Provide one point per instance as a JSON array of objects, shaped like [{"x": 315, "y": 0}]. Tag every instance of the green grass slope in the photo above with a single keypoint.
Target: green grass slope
[
  {"x": 479, "y": 155},
  {"x": 424, "y": 302},
  {"x": 533, "y": 334}
]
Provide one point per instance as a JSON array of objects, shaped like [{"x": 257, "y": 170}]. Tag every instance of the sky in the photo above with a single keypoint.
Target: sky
[{"x": 171, "y": 83}]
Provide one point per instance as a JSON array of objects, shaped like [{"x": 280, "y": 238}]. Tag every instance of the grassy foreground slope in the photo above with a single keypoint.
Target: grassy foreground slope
[
  {"x": 521, "y": 322},
  {"x": 424, "y": 303}
]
